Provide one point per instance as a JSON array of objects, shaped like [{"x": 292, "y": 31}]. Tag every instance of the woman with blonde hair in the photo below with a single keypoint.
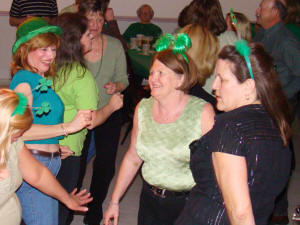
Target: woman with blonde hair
[
  {"x": 204, "y": 52},
  {"x": 16, "y": 162},
  {"x": 209, "y": 14},
  {"x": 243, "y": 27},
  {"x": 34, "y": 53}
]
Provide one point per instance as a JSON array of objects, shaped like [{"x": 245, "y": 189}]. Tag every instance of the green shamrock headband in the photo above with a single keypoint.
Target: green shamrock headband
[
  {"x": 233, "y": 18},
  {"x": 179, "y": 44},
  {"x": 21, "y": 107},
  {"x": 243, "y": 49}
]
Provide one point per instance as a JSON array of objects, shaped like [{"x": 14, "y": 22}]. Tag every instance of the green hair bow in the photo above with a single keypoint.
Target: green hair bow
[
  {"x": 243, "y": 49},
  {"x": 179, "y": 44},
  {"x": 233, "y": 18},
  {"x": 22, "y": 104}
]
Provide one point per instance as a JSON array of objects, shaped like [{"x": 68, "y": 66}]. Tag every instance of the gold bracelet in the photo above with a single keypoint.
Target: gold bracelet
[{"x": 64, "y": 130}]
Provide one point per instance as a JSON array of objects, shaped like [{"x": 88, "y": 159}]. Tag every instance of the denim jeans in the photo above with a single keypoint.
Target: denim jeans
[{"x": 38, "y": 208}]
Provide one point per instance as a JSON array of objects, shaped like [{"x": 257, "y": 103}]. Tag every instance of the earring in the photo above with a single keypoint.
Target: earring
[{"x": 247, "y": 97}]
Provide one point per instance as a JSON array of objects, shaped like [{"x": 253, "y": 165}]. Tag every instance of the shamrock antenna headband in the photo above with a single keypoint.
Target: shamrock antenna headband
[
  {"x": 179, "y": 44},
  {"x": 22, "y": 104},
  {"x": 243, "y": 49},
  {"x": 234, "y": 23}
]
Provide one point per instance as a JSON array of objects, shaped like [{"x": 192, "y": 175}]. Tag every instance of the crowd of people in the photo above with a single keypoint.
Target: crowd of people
[{"x": 213, "y": 142}]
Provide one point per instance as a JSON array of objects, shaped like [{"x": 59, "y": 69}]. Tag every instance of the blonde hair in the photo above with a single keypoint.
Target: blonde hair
[
  {"x": 244, "y": 26},
  {"x": 204, "y": 50},
  {"x": 10, "y": 125},
  {"x": 20, "y": 58}
]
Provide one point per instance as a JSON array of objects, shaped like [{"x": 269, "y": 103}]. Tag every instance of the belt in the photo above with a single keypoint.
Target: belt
[
  {"x": 43, "y": 153},
  {"x": 162, "y": 192}
]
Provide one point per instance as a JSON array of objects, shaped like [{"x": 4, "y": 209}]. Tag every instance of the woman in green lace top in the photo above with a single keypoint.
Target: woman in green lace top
[{"x": 164, "y": 126}]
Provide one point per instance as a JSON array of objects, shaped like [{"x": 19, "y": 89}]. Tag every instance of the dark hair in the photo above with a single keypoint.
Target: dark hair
[
  {"x": 207, "y": 13},
  {"x": 268, "y": 86},
  {"x": 70, "y": 51},
  {"x": 293, "y": 12},
  {"x": 180, "y": 66},
  {"x": 93, "y": 6},
  {"x": 281, "y": 9}
]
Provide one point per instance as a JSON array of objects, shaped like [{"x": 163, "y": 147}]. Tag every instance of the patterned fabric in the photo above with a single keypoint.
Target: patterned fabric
[
  {"x": 10, "y": 209},
  {"x": 79, "y": 91},
  {"x": 164, "y": 147},
  {"x": 41, "y": 94},
  {"x": 22, "y": 8},
  {"x": 246, "y": 132}
]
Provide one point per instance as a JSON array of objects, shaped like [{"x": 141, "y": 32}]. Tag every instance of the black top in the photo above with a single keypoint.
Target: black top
[{"x": 247, "y": 132}]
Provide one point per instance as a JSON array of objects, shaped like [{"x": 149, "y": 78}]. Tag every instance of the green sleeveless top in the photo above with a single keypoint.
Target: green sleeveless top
[{"x": 164, "y": 148}]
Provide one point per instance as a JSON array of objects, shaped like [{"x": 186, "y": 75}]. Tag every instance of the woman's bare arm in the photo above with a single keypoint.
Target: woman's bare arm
[{"x": 231, "y": 174}]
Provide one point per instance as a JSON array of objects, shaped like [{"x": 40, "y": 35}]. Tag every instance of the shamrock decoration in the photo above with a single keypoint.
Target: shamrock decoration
[
  {"x": 44, "y": 108},
  {"x": 44, "y": 85},
  {"x": 179, "y": 44},
  {"x": 21, "y": 107},
  {"x": 233, "y": 19}
]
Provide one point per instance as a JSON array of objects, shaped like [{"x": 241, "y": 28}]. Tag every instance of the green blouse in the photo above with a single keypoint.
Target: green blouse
[
  {"x": 79, "y": 91},
  {"x": 111, "y": 67},
  {"x": 164, "y": 148}
]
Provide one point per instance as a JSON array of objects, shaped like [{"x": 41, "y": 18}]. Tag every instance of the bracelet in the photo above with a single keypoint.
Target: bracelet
[
  {"x": 114, "y": 203},
  {"x": 64, "y": 130}
]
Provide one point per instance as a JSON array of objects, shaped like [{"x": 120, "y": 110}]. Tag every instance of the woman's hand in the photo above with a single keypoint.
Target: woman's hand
[
  {"x": 111, "y": 213},
  {"x": 77, "y": 201},
  {"x": 81, "y": 120},
  {"x": 65, "y": 151},
  {"x": 111, "y": 88},
  {"x": 116, "y": 101}
]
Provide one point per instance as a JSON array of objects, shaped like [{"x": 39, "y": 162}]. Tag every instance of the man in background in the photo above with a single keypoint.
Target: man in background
[
  {"x": 22, "y": 9},
  {"x": 145, "y": 27}
]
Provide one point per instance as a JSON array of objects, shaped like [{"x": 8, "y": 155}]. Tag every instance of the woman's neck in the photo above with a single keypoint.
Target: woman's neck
[{"x": 172, "y": 101}]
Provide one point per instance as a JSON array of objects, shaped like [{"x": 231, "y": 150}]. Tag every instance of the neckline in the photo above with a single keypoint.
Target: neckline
[
  {"x": 240, "y": 109},
  {"x": 178, "y": 119}
]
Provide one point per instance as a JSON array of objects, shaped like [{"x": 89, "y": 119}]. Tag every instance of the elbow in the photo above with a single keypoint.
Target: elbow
[
  {"x": 242, "y": 214},
  {"x": 34, "y": 179}
]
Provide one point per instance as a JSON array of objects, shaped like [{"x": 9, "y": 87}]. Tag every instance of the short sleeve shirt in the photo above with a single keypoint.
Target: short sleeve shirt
[{"x": 23, "y": 8}]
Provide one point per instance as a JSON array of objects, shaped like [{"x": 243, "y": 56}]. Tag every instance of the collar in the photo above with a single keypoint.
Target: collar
[{"x": 274, "y": 29}]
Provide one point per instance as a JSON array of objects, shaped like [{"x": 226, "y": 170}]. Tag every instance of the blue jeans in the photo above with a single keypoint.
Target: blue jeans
[{"x": 38, "y": 208}]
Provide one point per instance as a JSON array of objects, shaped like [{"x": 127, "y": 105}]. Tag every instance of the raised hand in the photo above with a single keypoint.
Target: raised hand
[
  {"x": 81, "y": 120},
  {"x": 110, "y": 87},
  {"x": 109, "y": 14}
]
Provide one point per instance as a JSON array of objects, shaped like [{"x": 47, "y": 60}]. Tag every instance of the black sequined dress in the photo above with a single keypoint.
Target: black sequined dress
[{"x": 248, "y": 132}]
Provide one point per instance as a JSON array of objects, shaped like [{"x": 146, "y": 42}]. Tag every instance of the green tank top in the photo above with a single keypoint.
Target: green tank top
[{"x": 164, "y": 148}]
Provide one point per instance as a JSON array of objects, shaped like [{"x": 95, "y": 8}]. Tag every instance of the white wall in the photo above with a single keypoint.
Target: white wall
[
  {"x": 162, "y": 8},
  {"x": 166, "y": 12}
]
